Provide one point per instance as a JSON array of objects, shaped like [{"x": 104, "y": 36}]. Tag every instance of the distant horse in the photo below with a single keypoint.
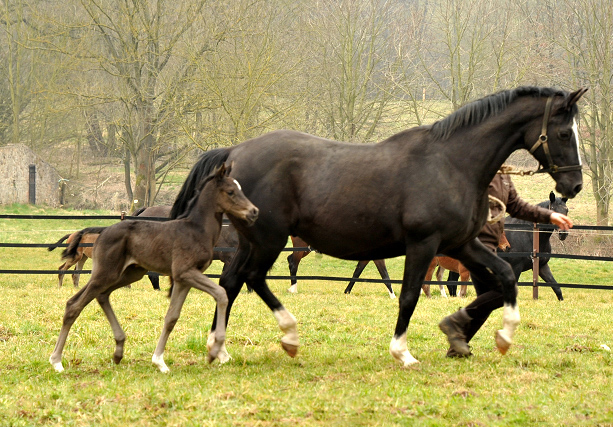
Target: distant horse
[
  {"x": 374, "y": 201},
  {"x": 182, "y": 249},
  {"x": 457, "y": 270},
  {"x": 81, "y": 255},
  {"x": 228, "y": 238},
  {"x": 293, "y": 260},
  {"x": 521, "y": 241}
]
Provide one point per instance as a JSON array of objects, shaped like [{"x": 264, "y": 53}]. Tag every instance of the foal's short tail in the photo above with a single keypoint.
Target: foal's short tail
[
  {"x": 71, "y": 251},
  {"x": 205, "y": 165},
  {"x": 56, "y": 244}
]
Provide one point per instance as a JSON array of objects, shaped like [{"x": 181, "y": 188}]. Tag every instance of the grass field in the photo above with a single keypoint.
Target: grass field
[{"x": 557, "y": 372}]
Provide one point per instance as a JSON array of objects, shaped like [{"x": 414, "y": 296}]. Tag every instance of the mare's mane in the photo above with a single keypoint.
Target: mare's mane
[{"x": 484, "y": 108}]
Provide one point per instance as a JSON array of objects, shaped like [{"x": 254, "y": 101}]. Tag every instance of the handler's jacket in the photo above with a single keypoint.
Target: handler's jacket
[{"x": 502, "y": 188}]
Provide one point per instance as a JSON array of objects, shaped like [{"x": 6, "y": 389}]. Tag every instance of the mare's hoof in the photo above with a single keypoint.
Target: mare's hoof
[
  {"x": 290, "y": 349},
  {"x": 502, "y": 342}
]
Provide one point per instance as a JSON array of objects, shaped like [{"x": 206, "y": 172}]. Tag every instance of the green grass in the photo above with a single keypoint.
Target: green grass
[{"x": 556, "y": 373}]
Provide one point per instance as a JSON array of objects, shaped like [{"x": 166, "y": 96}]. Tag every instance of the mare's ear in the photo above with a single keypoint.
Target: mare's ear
[
  {"x": 573, "y": 97},
  {"x": 552, "y": 197}
]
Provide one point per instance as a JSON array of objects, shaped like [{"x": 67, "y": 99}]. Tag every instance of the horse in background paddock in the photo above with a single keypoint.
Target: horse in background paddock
[
  {"x": 521, "y": 241},
  {"x": 182, "y": 249},
  {"x": 294, "y": 258},
  {"x": 375, "y": 201},
  {"x": 457, "y": 270},
  {"x": 81, "y": 255}
]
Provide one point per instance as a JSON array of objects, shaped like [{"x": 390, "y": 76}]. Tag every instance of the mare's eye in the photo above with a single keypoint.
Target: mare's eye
[{"x": 564, "y": 134}]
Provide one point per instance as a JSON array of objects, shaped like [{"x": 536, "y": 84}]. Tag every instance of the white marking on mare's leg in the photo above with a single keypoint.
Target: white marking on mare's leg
[
  {"x": 223, "y": 356},
  {"x": 510, "y": 320},
  {"x": 159, "y": 362},
  {"x": 293, "y": 289},
  {"x": 392, "y": 295},
  {"x": 56, "y": 365},
  {"x": 400, "y": 352},
  {"x": 287, "y": 323}
]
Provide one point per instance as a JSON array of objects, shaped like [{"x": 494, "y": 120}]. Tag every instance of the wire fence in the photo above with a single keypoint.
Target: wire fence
[{"x": 578, "y": 231}]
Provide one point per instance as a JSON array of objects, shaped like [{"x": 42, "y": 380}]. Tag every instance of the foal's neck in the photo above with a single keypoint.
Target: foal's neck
[{"x": 205, "y": 210}]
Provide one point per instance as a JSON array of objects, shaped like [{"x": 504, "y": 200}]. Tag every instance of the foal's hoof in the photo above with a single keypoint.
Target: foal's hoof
[
  {"x": 117, "y": 359},
  {"x": 290, "y": 349},
  {"x": 502, "y": 342}
]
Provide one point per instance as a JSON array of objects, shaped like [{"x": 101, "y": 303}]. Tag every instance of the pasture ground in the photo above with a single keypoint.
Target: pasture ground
[{"x": 556, "y": 373}]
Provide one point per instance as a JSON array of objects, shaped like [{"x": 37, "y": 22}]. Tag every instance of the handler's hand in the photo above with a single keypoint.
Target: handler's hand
[{"x": 561, "y": 220}]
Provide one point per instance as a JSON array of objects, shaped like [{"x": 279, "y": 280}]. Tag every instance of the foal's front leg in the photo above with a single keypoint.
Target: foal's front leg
[{"x": 179, "y": 293}]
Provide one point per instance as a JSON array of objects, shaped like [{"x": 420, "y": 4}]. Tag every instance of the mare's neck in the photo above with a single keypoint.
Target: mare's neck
[{"x": 489, "y": 144}]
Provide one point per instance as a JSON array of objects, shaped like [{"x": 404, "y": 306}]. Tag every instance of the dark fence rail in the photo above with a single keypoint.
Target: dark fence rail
[{"x": 535, "y": 229}]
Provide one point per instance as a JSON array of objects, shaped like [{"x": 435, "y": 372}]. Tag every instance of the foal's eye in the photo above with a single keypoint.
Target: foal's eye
[
  {"x": 231, "y": 193},
  {"x": 564, "y": 134}
]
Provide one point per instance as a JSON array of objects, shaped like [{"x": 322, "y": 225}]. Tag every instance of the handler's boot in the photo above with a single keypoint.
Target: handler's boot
[{"x": 454, "y": 326}]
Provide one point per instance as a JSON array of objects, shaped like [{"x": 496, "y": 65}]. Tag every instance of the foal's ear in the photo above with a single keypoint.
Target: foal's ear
[
  {"x": 229, "y": 168},
  {"x": 220, "y": 172},
  {"x": 573, "y": 97},
  {"x": 552, "y": 197}
]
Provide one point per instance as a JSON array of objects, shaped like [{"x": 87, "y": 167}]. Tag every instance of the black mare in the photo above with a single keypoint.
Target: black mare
[
  {"x": 521, "y": 241},
  {"x": 375, "y": 201}
]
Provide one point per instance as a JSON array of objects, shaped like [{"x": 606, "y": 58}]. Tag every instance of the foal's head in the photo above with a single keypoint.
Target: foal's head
[{"x": 230, "y": 198}]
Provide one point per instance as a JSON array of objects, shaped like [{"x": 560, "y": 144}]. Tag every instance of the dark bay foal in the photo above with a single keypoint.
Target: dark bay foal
[{"x": 181, "y": 248}]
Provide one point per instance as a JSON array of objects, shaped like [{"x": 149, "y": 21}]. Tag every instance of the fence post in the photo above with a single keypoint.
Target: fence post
[
  {"x": 32, "y": 185},
  {"x": 535, "y": 262}
]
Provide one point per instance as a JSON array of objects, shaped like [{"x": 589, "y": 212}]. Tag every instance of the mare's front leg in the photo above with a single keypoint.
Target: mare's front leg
[
  {"x": 490, "y": 272},
  {"x": 415, "y": 267},
  {"x": 358, "y": 270}
]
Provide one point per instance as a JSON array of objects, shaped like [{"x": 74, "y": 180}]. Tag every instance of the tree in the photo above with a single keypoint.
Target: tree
[{"x": 588, "y": 44}]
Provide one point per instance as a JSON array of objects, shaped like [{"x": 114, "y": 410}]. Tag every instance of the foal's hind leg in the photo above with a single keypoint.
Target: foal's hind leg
[
  {"x": 130, "y": 275},
  {"x": 74, "y": 306}
]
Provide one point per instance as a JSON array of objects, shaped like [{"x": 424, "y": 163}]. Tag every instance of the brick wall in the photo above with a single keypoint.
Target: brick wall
[{"x": 15, "y": 161}]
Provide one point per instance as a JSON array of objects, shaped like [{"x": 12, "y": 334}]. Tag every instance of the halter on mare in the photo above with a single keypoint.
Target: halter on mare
[{"x": 553, "y": 168}]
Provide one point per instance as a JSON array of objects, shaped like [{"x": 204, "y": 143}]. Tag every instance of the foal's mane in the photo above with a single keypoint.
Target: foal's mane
[
  {"x": 484, "y": 108},
  {"x": 193, "y": 201}
]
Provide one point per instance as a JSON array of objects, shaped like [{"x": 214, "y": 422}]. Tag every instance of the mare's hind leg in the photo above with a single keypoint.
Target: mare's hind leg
[
  {"x": 380, "y": 264},
  {"x": 64, "y": 267},
  {"x": 293, "y": 260},
  {"x": 358, "y": 270},
  {"x": 491, "y": 273},
  {"x": 416, "y": 265}
]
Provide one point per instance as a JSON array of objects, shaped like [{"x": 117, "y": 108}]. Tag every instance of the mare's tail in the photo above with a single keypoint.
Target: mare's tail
[
  {"x": 71, "y": 251},
  {"x": 205, "y": 165},
  {"x": 56, "y": 244}
]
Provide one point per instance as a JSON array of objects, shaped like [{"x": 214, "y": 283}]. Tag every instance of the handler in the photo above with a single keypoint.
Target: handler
[{"x": 461, "y": 326}]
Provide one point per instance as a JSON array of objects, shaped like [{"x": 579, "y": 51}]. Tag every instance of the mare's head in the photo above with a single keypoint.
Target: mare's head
[
  {"x": 229, "y": 197},
  {"x": 557, "y": 204},
  {"x": 554, "y": 139}
]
